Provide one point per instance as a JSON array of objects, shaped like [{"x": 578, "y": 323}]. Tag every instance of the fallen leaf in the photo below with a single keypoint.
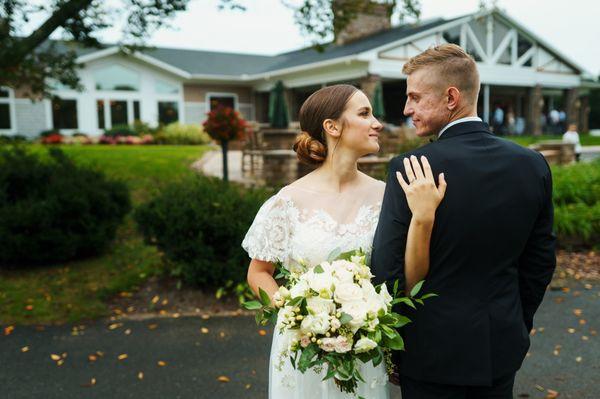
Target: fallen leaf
[
  {"x": 92, "y": 358},
  {"x": 123, "y": 356},
  {"x": 204, "y": 330},
  {"x": 93, "y": 381},
  {"x": 114, "y": 326},
  {"x": 540, "y": 388},
  {"x": 164, "y": 302},
  {"x": 205, "y": 317},
  {"x": 140, "y": 375},
  {"x": 248, "y": 386},
  {"x": 100, "y": 353},
  {"x": 55, "y": 357},
  {"x": 577, "y": 312},
  {"x": 584, "y": 337},
  {"x": 551, "y": 394},
  {"x": 152, "y": 326},
  {"x": 223, "y": 378},
  {"x": 128, "y": 331},
  {"x": 8, "y": 330},
  {"x": 29, "y": 307},
  {"x": 222, "y": 334},
  {"x": 155, "y": 299},
  {"x": 571, "y": 330},
  {"x": 161, "y": 363},
  {"x": 176, "y": 315},
  {"x": 262, "y": 333},
  {"x": 578, "y": 359},
  {"x": 582, "y": 321},
  {"x": 60, "y": 362}
]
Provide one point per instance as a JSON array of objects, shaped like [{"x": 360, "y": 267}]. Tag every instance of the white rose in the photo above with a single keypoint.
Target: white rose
[
  {"x": 284, "y": 292},
  {"x": 342, "y": 345},
  {"x": 358, "y": 311},
  {"x": 364, "y": 345},
  {"x": 347, "y": 292},
  {"x": 359, "y": 260},
  {"x": 344, "y": 270},
  {"x": 328, "y": 344},
  {"x": 318, "y": 305},
  {"x": 316, "y": 324},
  {"x": 320, "y": 282}
]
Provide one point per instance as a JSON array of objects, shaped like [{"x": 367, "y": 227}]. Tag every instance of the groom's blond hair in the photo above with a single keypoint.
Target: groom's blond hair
[{"x": 452, "y": 67}]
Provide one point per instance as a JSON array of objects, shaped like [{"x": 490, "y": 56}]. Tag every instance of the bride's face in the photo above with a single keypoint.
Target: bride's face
[{"x": 361, "y": 129}]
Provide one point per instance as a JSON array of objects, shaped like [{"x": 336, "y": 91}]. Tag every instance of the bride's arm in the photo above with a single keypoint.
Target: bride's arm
[
  {"x": 423, "y": 198},
  {"x": 260, "y": 275}
]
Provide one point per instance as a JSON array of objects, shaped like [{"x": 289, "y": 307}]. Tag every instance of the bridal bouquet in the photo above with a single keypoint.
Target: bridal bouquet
[{"x": 336, "y": 316}]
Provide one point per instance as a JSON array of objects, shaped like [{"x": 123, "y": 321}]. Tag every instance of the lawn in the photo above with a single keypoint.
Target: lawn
[
  {"x": 585, "y": 139},
  {"x": 76, "y": 291}
]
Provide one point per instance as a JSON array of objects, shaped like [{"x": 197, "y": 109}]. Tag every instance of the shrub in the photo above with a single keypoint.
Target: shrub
[
  {"x": 54, "y": 138},
  {"x": 53, "y": 210},
  {"x": 10, "y": 139},
  {"x": 46, "y": 133},
  {"x": 177, "y": 133},
  {"x": 120, "y": 130},
  {"x": 199, "y": 225}
]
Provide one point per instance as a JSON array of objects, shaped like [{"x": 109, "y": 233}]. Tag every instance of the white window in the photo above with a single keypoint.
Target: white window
[
  {"x": 64, "y": 113},
  {"x": 117, "y": 77},
  {"x": 114, "y": 112},
  {"x": 168, "y": 112}
]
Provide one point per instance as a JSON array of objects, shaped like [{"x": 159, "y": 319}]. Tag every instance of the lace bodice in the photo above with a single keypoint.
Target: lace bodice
[{"x": 292, "y": 225}]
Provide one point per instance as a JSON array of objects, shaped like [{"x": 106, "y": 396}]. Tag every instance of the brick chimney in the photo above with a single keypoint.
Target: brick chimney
[{"x": 366, "y": 18}]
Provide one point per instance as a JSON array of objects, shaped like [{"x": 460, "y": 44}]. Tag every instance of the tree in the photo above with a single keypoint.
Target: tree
[{"x": 32, "y": 61}]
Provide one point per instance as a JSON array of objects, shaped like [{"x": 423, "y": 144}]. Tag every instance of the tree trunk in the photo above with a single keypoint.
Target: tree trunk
[{"x": 224, "y": 144}]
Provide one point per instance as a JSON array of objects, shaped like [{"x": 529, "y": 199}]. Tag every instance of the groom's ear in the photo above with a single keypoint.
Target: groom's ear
[{"x": 453, "y": 96}]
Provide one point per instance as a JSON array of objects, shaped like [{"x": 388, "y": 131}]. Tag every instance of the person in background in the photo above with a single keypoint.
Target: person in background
[{"x": 571, "y": 136}]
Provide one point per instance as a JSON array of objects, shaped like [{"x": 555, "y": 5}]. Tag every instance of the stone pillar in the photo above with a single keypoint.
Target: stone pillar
[
  {"x": 584, "y": 116},
  {"x": 368, "y": 85},
  {"x": 573, "y": 105},
  {"x": 535, "y": 103}
]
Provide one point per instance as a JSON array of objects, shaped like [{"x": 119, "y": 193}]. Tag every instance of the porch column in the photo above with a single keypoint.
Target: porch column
[
  {"x": 534, "y": 110},
  {"x": 584, "y": 116},
  {"x": 573, "y": 105},
  {"x": 368, "y": 84},
  {"x": 486, "y": 103}
]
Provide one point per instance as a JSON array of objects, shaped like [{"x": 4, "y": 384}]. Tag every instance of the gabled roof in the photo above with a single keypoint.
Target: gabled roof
[{"x": 189, "y": 63}]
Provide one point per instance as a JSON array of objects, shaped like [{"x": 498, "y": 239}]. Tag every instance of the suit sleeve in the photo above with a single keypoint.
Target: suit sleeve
[
  {"x": 538, "y": 260},
  {"x": 387, "y": 259}
]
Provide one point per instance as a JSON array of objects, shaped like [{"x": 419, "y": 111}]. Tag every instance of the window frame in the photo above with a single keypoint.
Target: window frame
[{"x": 12, "y": 114}]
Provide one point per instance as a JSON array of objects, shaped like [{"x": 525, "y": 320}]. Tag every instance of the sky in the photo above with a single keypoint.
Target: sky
[{"x": 267, "y": 26}]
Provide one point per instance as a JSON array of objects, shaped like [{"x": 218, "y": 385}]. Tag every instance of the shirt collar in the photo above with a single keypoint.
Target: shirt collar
[{"x": 465, "y": 119}]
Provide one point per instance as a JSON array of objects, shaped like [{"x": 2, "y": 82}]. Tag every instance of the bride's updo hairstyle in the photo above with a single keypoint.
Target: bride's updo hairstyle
[{"x": 326, "y": 103}]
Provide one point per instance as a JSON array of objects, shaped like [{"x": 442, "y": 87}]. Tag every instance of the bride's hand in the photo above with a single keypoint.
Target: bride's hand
[{"x": 421, "y": 192}]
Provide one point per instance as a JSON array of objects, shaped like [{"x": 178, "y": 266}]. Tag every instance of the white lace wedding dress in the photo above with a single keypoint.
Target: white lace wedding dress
[{"x": 298, "y": 223}]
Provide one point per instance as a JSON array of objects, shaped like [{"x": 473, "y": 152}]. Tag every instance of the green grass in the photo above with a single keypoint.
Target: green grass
[
  {"x": 76, "y": 291},
  {"x": 585, "y": 139}
]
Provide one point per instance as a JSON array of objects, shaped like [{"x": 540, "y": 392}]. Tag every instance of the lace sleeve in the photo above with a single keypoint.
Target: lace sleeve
[{"x": 268, "y": 237}]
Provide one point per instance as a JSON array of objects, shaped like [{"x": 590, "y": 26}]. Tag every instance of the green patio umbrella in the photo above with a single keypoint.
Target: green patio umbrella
[
  {"x": 378, "y": 109},
  {"x": 278, "y": 111}
]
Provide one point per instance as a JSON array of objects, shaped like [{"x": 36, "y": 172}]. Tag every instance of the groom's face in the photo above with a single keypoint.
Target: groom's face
[{"x": 426, "y": 103}]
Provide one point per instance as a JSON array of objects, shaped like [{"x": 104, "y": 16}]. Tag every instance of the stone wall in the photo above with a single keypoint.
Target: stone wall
[{"x": 371, "y": 18}]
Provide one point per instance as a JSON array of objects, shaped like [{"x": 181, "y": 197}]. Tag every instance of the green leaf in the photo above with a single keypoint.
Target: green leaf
[
  {"x": 417, "y": 300},
  {"x": 431, "y": 295},
  {"x": 318, "y": 269},
  {"x": 333, "y": 255},
  {"x": 415, "y": 290},
  {"x": 404, "y": 300},
  {"x": 252, "y": 305},
  {"x": 396, "y": 344},
  {"x": 402, "y": 321},
  {"x": 395, "y": 290},
  {"x": 378, "y": 358},
  {"x": 306, "y": 357},
  {"x": 295, "y": 301},
  {"x": 264, "y": 297},
  {"x": 345, "y": 318}
]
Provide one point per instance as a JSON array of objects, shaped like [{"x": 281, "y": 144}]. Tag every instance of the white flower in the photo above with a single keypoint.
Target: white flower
[
  {"x": 385, "y": 296},
  {"x": 284, "y": 317},
  {"x": 344, "y": 270},
  {"x": 364, "y": 345},
  {"x": 372, "y": 323},
  {"x": 320, "y": 282},
  {"x": 347, "y": 292},
  {"x": 359, "y": 260},
  {"x": 342, "y": 344},
  {"x": 358, "y": 311},
  {"x": 316, "y": 324},
  {"x": 335, "y": 323},
  {"x": 278, "y": 301},
  {"x": 328, "y": 344},
  {"x": 284, "y": 292},
  {"x": 318, "y": 305},
  {"x": 299, "y": 289}
]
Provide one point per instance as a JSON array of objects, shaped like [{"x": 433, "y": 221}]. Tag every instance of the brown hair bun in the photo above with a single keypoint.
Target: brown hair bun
[{"x": 310, "y": 151}]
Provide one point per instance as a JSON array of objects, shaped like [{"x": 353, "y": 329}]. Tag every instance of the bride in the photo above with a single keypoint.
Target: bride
[{"x": 334, "y": 207}]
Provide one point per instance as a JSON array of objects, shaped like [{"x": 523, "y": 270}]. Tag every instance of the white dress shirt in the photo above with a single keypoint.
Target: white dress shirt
[{"x": 465, "y": 119}]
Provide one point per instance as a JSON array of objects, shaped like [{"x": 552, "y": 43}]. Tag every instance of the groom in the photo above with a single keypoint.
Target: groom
[{"x": 492, "y": 247}]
